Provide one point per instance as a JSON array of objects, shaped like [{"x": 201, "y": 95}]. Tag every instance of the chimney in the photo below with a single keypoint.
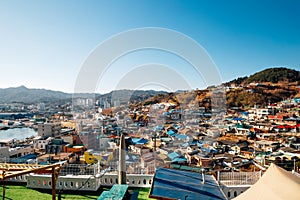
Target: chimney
[
  {"x": 122, "y": 161},
  {"x": 203, "y": 176}
]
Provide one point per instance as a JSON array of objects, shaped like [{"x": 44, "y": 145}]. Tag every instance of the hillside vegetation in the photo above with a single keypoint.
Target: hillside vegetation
[
  {"x": 268, "y": 86},
  {"x": 275, "y": 75}
]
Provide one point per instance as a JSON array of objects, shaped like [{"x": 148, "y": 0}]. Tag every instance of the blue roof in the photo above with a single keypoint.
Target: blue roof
[
  {"x": 245, "y": 113},
  {"x": 200, "y": 144},
  {"x": 238, "y": 119},
  {"x": 185, "y": 144},
  {"x": 297, "y": 100},
  {"x": 177, "y": 184},
  {"x": 171, "y": 132},
  {"x": 193, "y": 143},
  {"x": 130, "y": 158},
  {"x": 23, "y": 159},
  {"x": 181, "y": 136},
  {"x": 139, "y": 141},
  {"x": 173, "y": 155}
]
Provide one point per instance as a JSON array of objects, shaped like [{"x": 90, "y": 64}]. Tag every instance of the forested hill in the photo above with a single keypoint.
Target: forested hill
[
  {"x": 275, "y": 75},
  {"x": 268, "y": 86},
  {"x": 271, "y": 75}
]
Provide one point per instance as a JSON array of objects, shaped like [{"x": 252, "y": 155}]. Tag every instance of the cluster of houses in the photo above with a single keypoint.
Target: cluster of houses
[{"x": 164, "y": 135}]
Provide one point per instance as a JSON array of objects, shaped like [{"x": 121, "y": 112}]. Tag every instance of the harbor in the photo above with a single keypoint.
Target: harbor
[{"x": 16, "y": 132}]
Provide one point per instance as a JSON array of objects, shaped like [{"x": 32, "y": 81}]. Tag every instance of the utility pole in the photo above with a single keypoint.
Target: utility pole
[
  {"x": 154, "y": 151},
  {"x": 122, "y": 161},
  {"x": 3, "y": 185}
]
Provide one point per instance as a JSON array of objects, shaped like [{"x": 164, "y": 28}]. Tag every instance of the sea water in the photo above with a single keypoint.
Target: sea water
[{"x": 17, "y": 133}]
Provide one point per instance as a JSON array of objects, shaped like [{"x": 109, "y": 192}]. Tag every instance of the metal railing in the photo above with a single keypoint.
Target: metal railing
[
  {"x": 79, "y": 169},
  {"x": 238, "y": 178}
]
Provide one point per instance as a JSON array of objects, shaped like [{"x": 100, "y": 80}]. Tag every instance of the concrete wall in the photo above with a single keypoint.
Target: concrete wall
[
  {"x": 87, "y": 182},
  {"x": 233, "y": 191},
  {"x": 133, "y": 180},
  {"x": 80, "y": 182},
  {"x": 4, "y": 152}
]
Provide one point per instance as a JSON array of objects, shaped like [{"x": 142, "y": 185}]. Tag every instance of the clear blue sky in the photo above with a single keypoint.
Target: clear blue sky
[{"x": 44, "y": 43}]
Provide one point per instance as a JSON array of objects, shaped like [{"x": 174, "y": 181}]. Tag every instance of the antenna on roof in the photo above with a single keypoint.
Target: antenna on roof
[{"x": 203, "y": 176}]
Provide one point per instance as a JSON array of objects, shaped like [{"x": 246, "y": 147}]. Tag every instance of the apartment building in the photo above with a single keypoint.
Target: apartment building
[{"x": 49, "y": 129}]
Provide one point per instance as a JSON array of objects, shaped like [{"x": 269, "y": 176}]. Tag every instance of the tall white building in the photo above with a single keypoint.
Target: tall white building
[
  {"x": 117, "y": 103},
  {"x": 106, "y": 104},
  {"x": 89, "y": 102},
  {"x": 41, "y": 107}
]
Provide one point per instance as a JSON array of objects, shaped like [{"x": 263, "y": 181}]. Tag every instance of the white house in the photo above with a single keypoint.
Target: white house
[{"x": 41, "y": 142}]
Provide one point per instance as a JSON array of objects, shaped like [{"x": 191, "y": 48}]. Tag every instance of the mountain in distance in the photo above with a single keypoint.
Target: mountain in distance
[
  {"x": 23, "y": 94},
  {"x": 125, "y": 95},
  {"x": 280, "y": 83}
]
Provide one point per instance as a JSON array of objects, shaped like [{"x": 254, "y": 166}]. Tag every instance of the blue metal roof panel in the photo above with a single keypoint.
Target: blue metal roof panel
[{"x": 170, "y": 183}]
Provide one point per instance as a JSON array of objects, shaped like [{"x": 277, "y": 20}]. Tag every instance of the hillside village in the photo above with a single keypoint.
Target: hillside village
[{"x": 180, "y": 131}]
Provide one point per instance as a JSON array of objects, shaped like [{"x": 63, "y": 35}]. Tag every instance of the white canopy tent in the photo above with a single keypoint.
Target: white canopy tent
[{"x": 275, "y": 184}]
